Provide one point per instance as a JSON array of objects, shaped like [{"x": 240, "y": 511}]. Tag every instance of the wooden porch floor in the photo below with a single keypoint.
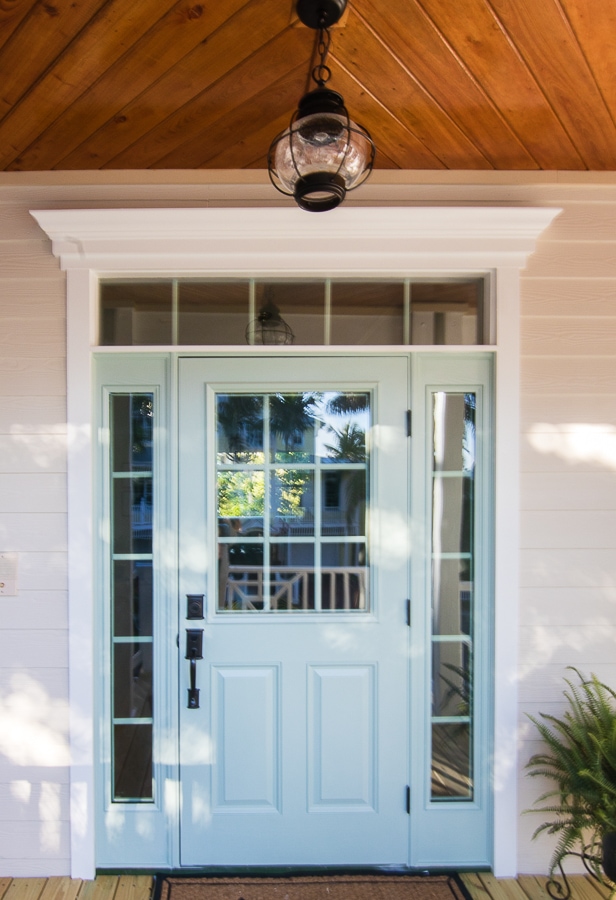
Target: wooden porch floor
[{"x": 481, "y": 886}]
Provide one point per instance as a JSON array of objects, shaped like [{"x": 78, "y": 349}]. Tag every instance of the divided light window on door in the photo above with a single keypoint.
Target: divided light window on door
[
  {"x": 291, "y": 489},
  {"x": 186, "y": 312}
]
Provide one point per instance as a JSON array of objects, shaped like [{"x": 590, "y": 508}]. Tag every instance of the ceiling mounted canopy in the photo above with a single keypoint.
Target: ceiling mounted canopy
[{"x": 322, "y": 154}]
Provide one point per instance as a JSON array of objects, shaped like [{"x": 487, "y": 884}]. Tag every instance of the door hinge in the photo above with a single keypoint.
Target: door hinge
[
  {"x": 408, "y": 613},
  {"x": 408, "y": 799},
  {"x": 409, "y": 423}
]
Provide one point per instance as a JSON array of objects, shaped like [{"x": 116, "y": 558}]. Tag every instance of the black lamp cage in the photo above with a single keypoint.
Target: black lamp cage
[{"x": 323, "y": 153}]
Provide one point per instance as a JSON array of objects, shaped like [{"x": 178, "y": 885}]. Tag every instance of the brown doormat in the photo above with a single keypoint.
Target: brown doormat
[{"x": 326, "y": 887}]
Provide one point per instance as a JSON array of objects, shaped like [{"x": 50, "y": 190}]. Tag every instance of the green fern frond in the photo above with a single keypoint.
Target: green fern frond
[{"x": 579, "y": 757}]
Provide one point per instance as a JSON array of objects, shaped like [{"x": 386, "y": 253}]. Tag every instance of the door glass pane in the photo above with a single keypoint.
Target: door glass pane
[
  {"x": 239, "y": 428},
  {"x": 292, "y": 502},
  {"x": 132, "y": 598},
  {"x": 132, "y": 762},
  {"x": 131, "y": 419},
  {"x": 132, "y": 681},
  {"x": 451, "y": 761},
  {"x": 453, "y": 527},
  {"x": 278, "y": 514}
]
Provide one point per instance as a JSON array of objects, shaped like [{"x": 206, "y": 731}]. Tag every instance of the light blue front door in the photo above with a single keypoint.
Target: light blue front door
[{"x": 294, "y": 685}]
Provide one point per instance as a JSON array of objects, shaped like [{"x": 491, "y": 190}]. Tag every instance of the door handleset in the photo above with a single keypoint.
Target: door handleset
[{"x": 194, "y": 651}]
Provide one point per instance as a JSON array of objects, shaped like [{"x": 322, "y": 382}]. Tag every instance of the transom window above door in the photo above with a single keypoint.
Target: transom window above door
[{"x": 183, "y": 312}]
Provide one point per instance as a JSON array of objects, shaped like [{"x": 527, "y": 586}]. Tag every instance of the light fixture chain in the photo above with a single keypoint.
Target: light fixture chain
[{"x": 321, "y": 72}]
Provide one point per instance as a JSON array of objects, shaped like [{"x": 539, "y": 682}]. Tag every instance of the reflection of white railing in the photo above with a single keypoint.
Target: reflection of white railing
[
  {"x": 141, "y": 524},
  {"x": 292, "y": 588}
]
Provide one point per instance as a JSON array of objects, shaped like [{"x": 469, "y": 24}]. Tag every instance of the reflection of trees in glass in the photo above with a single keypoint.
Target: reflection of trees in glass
[
  {"x": 241, "y": 494},
  {"x": 468, "y": 443},
  {"x": 291, "y": 416},
  {"x": 350, "y": 444},
  {"x": 350, "y": 447},
  {"x": 348, "y": 402},
  {"x": 292, "y": 487},
  {"x": 240, "y": 417},
  {"x": 142, "y": 415},
  {"x": 456, "y": 686},
  {"x": 468, "y": 488}
]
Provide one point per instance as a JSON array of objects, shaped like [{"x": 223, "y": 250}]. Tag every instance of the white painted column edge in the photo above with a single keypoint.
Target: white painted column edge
[
  {"x": 506, "y": 573},
  {"x": 81, "y": 303}
]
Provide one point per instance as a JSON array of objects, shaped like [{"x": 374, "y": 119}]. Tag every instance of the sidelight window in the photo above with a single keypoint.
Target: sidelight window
[
  {"x": 131, "y": 431},
  {"x": 453, "y": 580}
]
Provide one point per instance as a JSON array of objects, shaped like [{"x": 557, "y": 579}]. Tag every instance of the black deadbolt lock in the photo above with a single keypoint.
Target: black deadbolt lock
[{"x": 194, "y": 606}]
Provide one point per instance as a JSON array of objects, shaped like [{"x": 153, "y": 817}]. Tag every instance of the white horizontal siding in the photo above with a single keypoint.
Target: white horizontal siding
[
  {"x": 43, "y": 531},
  {"x": 568, "y": 568},
  {"x": 43, "y": 648},
  {"x": 23, "y": 453},
  {"x": 30, "y": 300},
  {"x": 569, "y": 335},
  {"x": 575, "y": 605},
  {"x": 568, "y": 485},
  {"x": 567, "y": 412},
  {"x": 569, "y": 529},
  {"x": 558, "y": 490},
  {"x": 27, "y": 801},
  {"x": 44, "y": 336},
  {"x": 33, "y": 415},
  {"x": 559, "y": 374},
  {"x": 40, "y": 571},
  {"x": 555, "y": 644},
  {"x": 26, "y": 259},
  {"x": 46, "y": 609},
  {"x": 32, "y": 493},
  {"x": 34, "y": 840},
  {"x": 573, "y": 297},
  {"x": 32, "y": 376},
  {"x": 34, "y": 816}
]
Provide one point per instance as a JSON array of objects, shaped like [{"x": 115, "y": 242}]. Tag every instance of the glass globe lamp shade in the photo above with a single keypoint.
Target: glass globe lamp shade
[
  {"x": 322, "y": 154},
  {"x": 269, "y": 328}
]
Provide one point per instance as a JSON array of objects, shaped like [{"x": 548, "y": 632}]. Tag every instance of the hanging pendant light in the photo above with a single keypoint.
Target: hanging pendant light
[
  {"x": 322, "y": 154},
  {"x": 269, "y": 327}
]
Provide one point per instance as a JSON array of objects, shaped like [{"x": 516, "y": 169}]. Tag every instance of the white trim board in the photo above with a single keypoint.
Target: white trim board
[
  {"x": 357, "y": 242},
  {"x": 255, "y": 241}
]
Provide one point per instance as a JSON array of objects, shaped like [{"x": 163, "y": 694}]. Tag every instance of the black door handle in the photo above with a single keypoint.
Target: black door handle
[{"x": 194, "y": 651}]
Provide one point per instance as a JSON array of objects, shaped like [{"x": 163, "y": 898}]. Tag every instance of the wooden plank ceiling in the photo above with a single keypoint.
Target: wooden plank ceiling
[{"x": 440, "y": 84}]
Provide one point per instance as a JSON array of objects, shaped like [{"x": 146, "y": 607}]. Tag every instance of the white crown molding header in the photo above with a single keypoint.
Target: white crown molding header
[{"x": 250, "y": 240}]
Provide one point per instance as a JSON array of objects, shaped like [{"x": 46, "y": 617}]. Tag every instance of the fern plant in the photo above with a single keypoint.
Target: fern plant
[{"x": 580, "y": 759}]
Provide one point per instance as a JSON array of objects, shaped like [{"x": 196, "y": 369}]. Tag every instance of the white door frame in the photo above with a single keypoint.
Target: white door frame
[{"x": 350, "y": 242}]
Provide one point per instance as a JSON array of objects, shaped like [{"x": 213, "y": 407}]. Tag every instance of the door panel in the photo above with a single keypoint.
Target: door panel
[
  {"x": 245, "y": 713},
  {"x": 342, "y": 746},
  {"x": 298, "y": 751}
]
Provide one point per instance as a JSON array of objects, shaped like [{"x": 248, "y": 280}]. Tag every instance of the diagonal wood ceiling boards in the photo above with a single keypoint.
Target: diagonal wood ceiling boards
[{"x": 440, "y": 84}]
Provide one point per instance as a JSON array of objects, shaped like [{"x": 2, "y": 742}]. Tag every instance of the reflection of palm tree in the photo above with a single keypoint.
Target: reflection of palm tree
[
  {"x": 350, "y": 447},
  {"x": 350, "y": 444},
  {"x": 291, "y": 416},
  {"x": 348, "y": 402},
  {"x": 241, "y": 416}
]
